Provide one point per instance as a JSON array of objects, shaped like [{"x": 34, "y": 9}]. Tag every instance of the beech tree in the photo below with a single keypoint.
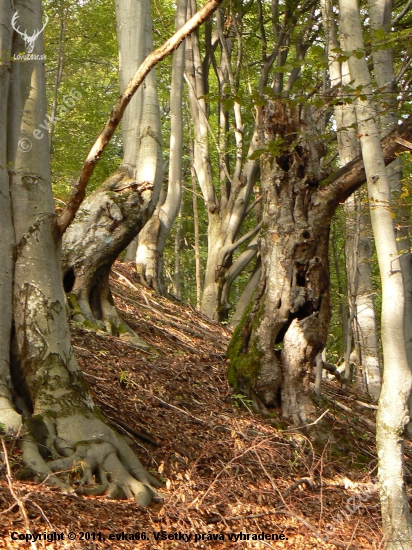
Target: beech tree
[
  {"x": 227, "y": 203},
  {"x": 40, "y": 380},
  {"x": 273, "y": 349},
  {"x": 361, "y": 324},
  {"x": 43, "y": 380},
  {"x": 152, "y": 239},
  {"x": 393, "y": 413},
  {"x": 113, "y": 215}
]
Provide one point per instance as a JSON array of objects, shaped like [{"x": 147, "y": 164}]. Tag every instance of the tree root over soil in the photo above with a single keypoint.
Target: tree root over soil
[{"x": 105, "y": 460}]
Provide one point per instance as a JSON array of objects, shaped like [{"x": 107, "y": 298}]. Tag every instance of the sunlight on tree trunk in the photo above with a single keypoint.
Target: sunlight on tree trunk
[
  {"x": 152, "y": 238},
  {"x": 362, "y": 319},
  {"x": 393, "y": 413},
  {"x": 111, "y": 216}
]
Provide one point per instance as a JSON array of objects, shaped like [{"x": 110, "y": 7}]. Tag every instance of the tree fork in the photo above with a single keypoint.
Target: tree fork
[{"x": 273, "y": 349}]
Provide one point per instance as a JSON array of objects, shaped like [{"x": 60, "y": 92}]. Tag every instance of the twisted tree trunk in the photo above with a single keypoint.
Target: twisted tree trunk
[
  {"x": 272, "y": 350},
  {"x": 113, "y": 215},
  {"x": 274, "y": 346}
]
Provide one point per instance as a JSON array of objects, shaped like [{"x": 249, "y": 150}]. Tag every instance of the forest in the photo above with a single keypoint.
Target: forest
[{"x": 206, "y": 274}]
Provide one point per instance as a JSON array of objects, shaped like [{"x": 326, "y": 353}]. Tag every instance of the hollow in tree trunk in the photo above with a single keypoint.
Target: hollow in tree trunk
[{"x": 274, "y": 346}]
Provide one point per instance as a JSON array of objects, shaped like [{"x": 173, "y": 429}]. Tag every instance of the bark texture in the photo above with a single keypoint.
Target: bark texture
[
  {"x": 101, "y": 230},
  {"x": 393, "y": 413},
  {"x": 8, "y": 416},
  {"x": 274, "y": 346},
  {"x": 111, "y": 217},
  {"x": 47, "y": 386},
  {"x": 227, "y": 211}
]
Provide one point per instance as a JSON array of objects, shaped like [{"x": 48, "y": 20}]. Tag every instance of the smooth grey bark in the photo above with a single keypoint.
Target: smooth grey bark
[
  {"x": 358, "y": 265},
  {"x": 358, "y": 240},
  {"x": 8, "y": 416},
  {"x": 196, "y": 238},
  {"x": 177, "y": 275},
  {"x": 393, "y": 412},
  {"x": 48, "y": 385},
  {"x": 380, "y": 18},
  {"x": 152, "y": 238},
  {"x": 226, "y": 213},
  {"x": 113, "y": 215},
  {"x": 59, "y": 72}
]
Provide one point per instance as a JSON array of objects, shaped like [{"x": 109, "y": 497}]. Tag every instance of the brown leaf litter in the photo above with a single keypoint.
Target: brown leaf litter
[{"x": 232, "y": 478}]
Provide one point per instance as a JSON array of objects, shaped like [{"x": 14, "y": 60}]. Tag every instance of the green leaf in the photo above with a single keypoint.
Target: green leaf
[
  {"x": 317, "y": 51},
  {"x": 256, "y": 154}
]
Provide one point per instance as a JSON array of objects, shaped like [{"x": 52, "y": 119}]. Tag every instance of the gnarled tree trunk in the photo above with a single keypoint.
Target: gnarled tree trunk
[
  {"x": 274, "y": 346},
  {"x": 272, "y": 350},
  {"x": 103, "y": 227},
  {"x": 44, "y": 379},
  {"x": 112, "y": 216}
]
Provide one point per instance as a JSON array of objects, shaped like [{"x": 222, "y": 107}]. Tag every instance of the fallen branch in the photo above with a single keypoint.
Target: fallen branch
[
  {"x": 304, "y": 480},
  {"x": 369, "y": 423},
  {"x": 168, "y": 405},
  {"x": 307, "y": 425},
  {"x": 133, "y": 431}
]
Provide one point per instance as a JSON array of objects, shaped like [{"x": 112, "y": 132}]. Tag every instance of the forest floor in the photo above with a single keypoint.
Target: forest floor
[{"x": 232, "y": 478}]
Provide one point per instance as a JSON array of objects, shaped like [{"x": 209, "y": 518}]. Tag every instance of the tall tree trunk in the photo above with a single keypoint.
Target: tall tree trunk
[
  {"x": 113, "y": 214},
  {"x": 152, "y": 239},
  {"x": 8, "y": 416},
  {"x": 59, "y": 72},
  {"x": 393, "y": 413},
  {"x": 177, "y": 275},
  {"x": 196, "y": 237},
  {"x": 51, "y": 389},
  {"x": 381, "y": 18},
  {"x": 227, "y": 212},
  {"x": 358, "y": 241}
]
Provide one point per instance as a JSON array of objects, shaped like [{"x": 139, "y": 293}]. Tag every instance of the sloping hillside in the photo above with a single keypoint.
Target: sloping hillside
[{"x": 232, "y": 479}]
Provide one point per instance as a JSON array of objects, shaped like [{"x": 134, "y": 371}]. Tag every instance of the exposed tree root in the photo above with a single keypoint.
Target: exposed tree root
[
  {"x": 105, "y": 317},
  {"x": 85, "y": 443}
]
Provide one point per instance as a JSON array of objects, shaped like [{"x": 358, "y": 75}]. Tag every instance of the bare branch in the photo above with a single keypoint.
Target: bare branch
[
  {"x": 342, "y": 183},
  {"x": 116, "y": 115},
  {"x": 248, "y": 235}
]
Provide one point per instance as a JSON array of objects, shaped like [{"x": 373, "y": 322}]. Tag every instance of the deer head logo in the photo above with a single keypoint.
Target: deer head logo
[{"x": 28, "y": 40}]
